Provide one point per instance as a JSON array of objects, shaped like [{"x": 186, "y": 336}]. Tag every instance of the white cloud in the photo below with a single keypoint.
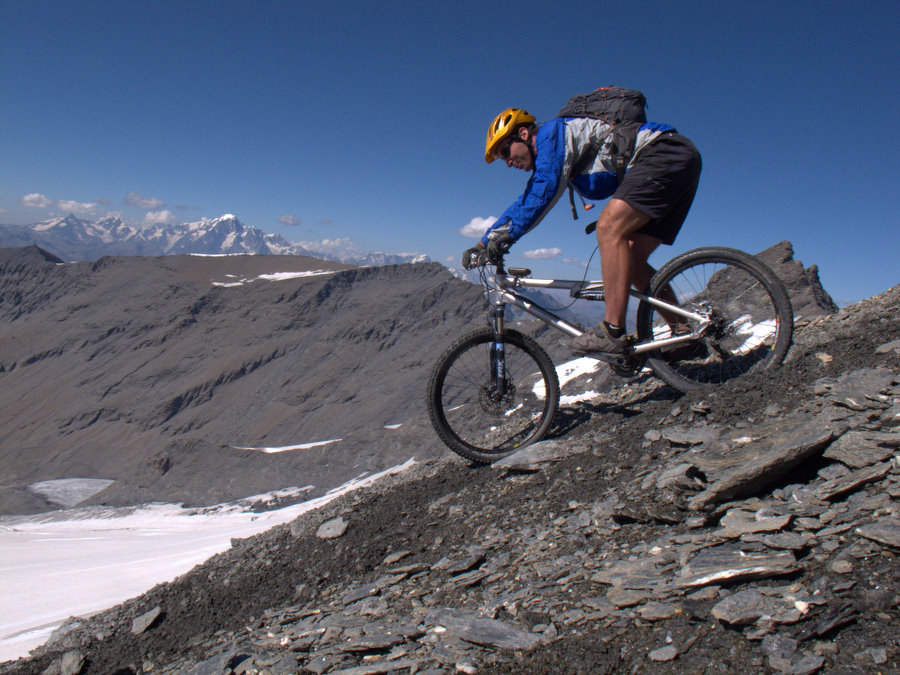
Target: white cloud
[
  {"x": 289, "y": 219},
  {"x": 37, "y": 201},
  {"x": 159, "y": 218},
  {"x": 78, "y": 208},
  {"x": 142, "y": 202},
  {"x": 542, "y": 253},
  {"x": 476, "y": 227}
]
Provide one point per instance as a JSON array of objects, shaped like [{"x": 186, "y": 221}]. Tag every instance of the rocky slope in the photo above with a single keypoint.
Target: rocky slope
[{"x": 751, "y": 527}]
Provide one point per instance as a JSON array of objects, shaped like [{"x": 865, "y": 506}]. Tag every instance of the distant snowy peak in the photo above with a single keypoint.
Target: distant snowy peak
[
  {"x": 74, "y": 238},
  {"x": 225, "y": 234},
  {"x": 345, "y": 251}
]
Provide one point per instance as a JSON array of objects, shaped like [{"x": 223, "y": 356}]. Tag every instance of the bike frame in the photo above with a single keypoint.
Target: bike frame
[{"x": 502, "y": 290}]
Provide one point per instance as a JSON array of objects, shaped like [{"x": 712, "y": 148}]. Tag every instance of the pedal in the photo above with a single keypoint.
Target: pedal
[{"x": 626, "y": 367}]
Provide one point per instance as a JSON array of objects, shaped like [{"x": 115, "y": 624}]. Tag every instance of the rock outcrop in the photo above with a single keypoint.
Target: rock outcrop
[{"x": 804, "y": 287}]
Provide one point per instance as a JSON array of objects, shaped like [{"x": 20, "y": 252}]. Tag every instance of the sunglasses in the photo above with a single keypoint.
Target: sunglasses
[{"x": 505, "y": 149}]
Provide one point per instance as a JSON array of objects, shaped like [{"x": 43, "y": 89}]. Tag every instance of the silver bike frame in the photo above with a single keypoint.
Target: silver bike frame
[{"x": 503, "y": 292}]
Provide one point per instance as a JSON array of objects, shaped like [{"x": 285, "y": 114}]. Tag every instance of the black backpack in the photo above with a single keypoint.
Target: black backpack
[
  {"x": 615, "y": 105},
  {"x": 624, "y": 109}
]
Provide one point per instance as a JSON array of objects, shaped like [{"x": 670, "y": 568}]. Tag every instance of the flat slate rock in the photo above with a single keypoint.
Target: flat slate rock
[
  {"x": 773, "y": 606},
  {"x": 728, "y": 564},
  {"x": 782, "y": 540},
  {"x": 535, "y": 457},
  {"x": 761, "y": 463},
  {"x": 854, "y": 390},
  {"x": 331, "y": 529},
  {"x": 474, "y": 628},
  {"x": 146, "y": 620},
  {"x": 844, "y": 485},
  {"x": 688, "y": 436},
  {"x": 741, "y": 609},
  {"x": 737, "y": 523},
  {"x": 858, "y": 449},
  {"x": 638, "y": 575},
  {"x": 667, "y": 653},
  {"x": 885, "y": 531}
]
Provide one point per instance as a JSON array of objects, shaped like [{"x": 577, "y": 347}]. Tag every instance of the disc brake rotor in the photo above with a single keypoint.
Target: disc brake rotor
[{"x": 494, "y": 403}]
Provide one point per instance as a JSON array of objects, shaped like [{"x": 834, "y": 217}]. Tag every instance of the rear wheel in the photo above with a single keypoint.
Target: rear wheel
[
  {"x": 746, "y": 304},
  {"x": 483, "y": 419}
]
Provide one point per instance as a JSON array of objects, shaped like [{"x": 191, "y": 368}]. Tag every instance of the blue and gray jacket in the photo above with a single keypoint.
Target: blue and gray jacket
[{"x": 574, "y": 150}]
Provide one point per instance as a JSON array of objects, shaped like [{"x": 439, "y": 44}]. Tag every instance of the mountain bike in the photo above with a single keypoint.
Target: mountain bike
[{"x": 709, "y": 315}]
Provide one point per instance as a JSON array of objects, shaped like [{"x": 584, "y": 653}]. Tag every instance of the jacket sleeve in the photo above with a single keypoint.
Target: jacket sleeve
[{"x": 544, "y": 188}]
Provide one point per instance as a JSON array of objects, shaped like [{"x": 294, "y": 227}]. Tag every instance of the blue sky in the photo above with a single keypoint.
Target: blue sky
[{"x": 367, "y": 120}]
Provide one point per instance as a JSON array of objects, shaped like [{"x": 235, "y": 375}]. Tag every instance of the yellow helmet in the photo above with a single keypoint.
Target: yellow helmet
[{"x": 502, "y": 127}]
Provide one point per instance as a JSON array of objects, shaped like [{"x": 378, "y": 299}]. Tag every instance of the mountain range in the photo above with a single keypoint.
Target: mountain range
[{"x": 73, "y": 239}]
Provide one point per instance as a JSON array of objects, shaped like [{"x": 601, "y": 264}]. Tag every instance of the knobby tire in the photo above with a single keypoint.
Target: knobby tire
[
  {"x": 753, "y": 319},
  {"x": 472, "y": 420}
]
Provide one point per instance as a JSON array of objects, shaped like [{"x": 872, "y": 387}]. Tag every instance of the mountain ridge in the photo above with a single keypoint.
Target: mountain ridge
[{"x": 129, "y": 383}]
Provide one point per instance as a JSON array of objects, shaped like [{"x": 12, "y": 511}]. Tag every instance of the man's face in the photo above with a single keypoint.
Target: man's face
[
  {"x": 517, "y": 153},
  {"x": 519, "y": 156}
]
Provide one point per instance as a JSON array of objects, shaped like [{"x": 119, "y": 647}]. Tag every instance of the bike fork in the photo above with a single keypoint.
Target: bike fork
[{"x": 498, "y": 352}]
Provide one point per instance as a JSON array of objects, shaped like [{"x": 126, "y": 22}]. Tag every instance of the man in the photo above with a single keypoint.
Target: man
[{"x": 647, "y": 208}]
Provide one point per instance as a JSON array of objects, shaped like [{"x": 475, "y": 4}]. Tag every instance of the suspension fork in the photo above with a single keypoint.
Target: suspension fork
[{"x": 498, "y": 351}]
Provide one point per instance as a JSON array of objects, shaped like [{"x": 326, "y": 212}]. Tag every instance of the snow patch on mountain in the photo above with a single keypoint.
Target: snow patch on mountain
[
  {"x": 76, "y": 562},
  {"x": 277, "y": 276}
]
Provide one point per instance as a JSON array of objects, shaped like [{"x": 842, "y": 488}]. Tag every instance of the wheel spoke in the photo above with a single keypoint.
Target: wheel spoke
[
  {"x": 746, "y": 307},
  {"x": 480, "y": 420}
]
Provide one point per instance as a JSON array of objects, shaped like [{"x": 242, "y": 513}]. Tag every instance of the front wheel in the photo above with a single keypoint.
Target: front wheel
[
  {"x": 484, "y": 417},
  {"x": 746, "y": 307}
]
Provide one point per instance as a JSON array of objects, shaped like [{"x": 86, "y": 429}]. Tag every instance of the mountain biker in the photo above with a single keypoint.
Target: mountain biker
[{"x": 647, "y": 208}]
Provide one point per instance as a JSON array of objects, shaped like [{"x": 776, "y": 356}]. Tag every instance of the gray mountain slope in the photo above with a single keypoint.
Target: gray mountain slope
[
  {"x": 139, "y": 370},
  {"x": 143, "y": 372}
]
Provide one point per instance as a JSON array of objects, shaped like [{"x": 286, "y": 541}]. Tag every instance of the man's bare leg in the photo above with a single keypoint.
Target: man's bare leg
[
  {"x": 642, "y": 245},
  {"x": 616, "y": 229}
]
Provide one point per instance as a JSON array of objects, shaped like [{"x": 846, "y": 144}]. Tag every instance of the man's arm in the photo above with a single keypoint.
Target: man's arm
[{"x": 543, "y": 190}]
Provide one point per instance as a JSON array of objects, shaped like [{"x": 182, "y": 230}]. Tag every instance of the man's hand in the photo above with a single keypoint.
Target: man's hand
[
  {"x": 474, "y": 257},
  {"x": 498, "y": 247}
]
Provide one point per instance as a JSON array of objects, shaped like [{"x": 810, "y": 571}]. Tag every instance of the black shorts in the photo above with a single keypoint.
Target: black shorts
[{"x": 662, "y": 183}]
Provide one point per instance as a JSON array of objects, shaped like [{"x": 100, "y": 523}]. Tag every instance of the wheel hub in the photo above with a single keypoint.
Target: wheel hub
[{"x": 495, "y": 403}]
